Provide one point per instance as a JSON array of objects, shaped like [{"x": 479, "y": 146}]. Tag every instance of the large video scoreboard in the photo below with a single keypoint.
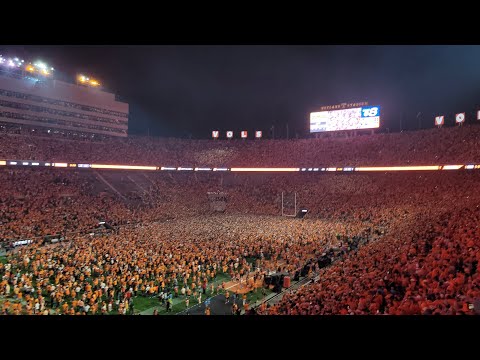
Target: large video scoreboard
[{"x": 365, "y": 117}]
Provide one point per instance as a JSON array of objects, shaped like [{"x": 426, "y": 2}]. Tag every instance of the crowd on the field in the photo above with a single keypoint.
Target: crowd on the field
[
  {"x": 433, "y": 270},
  {"x": 98, "y": 275},
  {"x": 168, "y": 243}
]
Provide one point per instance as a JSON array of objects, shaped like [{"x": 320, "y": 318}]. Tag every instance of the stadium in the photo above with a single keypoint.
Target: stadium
[{"x": 346, "y": 220}]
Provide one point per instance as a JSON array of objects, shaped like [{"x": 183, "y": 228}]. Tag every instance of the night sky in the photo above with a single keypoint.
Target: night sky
[{"x": 187, "y": 91}]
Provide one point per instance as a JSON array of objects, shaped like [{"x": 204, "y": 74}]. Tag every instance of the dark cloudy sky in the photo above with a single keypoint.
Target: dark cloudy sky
[{"x": 191, "y": 90}]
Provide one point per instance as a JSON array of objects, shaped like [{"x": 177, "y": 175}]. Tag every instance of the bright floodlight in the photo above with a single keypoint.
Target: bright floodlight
[
  {"x": 87, "y": 81},
  {"x": 40, "y": 65},
  {"x": 38, "y": 68}
]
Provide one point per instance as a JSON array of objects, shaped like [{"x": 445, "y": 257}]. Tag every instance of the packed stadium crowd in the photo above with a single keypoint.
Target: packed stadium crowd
[
  {"x": 37, "y": 203},
  {"x": 434, "y": 271},
  {"x": 180, "y": 257},
  {"x": 168, "y": 239},
  {"x": 425, "y": 147}
]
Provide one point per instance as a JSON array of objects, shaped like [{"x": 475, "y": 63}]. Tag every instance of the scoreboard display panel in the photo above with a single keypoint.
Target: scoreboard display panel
[{"x": 365, "y": 117}]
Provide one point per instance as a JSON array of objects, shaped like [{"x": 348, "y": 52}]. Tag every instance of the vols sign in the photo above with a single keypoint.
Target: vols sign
[
  {"x": 258, "y": 134},
  {"x": 439, "y": 120},
  {"x": 244, "y": 134},
  {"x": 215, "y": 134},
  {"x": 460, "y": 118},
  {"x": 229, "y": 134}
]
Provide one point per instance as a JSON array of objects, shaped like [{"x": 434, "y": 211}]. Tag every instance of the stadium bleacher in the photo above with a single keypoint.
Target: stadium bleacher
[{"x": 422, "y": 260}]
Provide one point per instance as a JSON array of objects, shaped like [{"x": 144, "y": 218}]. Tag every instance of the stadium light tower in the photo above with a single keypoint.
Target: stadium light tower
[
  {"x": 10, "y": 62},
  {"x": 39, "y": 68},
  {"x": 87, "y": 81}
]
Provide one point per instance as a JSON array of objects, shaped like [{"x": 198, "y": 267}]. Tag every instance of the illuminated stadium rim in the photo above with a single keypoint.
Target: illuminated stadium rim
[{"x": 36, "y": 163}]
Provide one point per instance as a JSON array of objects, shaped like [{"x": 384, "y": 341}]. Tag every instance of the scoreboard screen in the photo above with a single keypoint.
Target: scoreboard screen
[{"x": 366, "y": 117}]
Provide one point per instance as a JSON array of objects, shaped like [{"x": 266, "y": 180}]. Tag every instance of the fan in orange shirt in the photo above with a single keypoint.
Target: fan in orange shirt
[
  {"x": 6, "y": 305},
  {"x": 263, "y": 307}
]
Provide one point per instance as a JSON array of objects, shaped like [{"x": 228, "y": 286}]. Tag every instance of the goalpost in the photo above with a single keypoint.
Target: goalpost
[{"x": 289, "y": 204}]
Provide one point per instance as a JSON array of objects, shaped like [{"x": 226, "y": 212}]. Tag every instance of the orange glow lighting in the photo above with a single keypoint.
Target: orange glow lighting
[
  {"x": 123, "y": 167},
  {"x": 452, "y": 167},
  {"x": 397, "y": 168},
  {"x": 265, "y": 169}
]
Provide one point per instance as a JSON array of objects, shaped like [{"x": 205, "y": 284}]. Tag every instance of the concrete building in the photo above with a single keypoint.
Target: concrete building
[{"x": 49, "y": 105}]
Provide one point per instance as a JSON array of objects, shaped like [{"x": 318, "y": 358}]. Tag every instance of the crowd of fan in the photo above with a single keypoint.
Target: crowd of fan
[
  {"x": 425, "y": 147},
  {"x": 37, "y": 203},
  {"x": 402, "y": 205},
  {"x": 99, "y": 275},
  {"x": 425, "y": 262},
  {"x": 432, "y": 270}
]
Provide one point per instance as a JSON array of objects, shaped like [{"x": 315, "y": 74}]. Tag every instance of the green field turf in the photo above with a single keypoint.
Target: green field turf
[
  {"x": 142, "y": 303},
  {"x": 145, "y": 306},
  {"x": 253, "y": 296}
]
